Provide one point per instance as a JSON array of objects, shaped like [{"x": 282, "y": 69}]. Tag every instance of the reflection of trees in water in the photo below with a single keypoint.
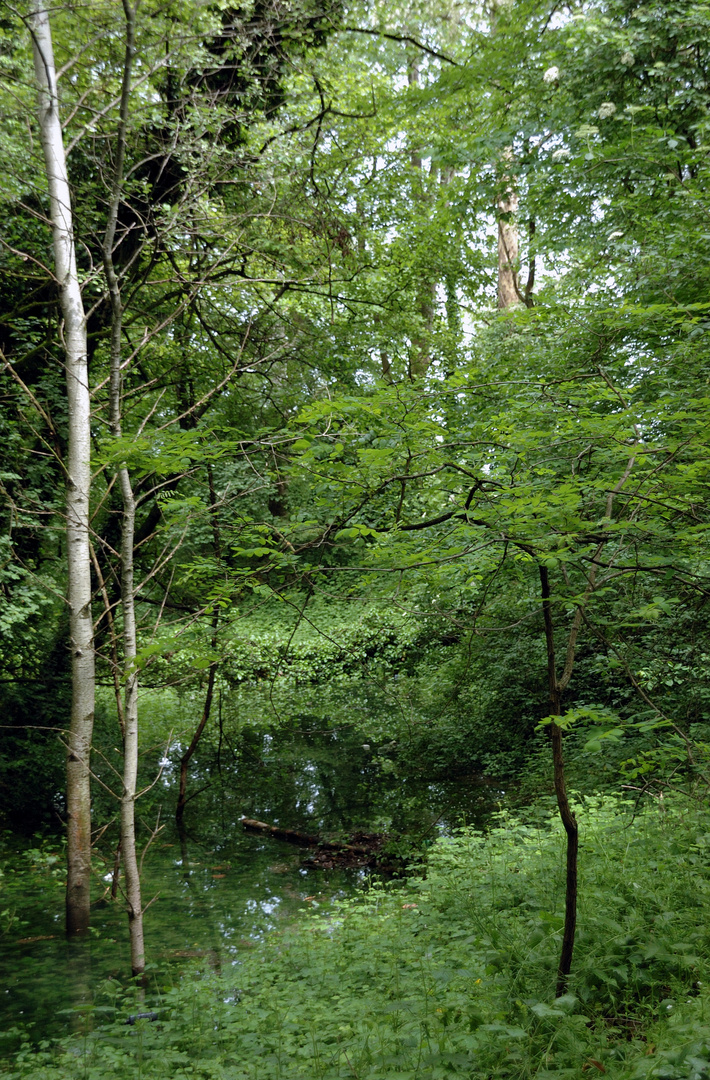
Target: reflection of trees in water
[
  {"x": 312, "y": 781},
  {"x": 314, "y": 778},
  {"x": 80, "y": 984},
  {"x": 220, "y": 889}
]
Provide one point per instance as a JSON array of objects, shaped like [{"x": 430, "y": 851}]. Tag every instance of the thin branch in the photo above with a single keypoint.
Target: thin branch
[{"x": 405, "y": 39}]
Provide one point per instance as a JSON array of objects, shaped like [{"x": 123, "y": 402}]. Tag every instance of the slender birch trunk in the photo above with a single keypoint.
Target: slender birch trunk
[
  {"x": 78, "y": 471},
  {"x": 131, "y": 874}
]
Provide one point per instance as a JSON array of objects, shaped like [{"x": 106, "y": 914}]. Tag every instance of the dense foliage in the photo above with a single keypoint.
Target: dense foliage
[{"x": 369, "y": 492}]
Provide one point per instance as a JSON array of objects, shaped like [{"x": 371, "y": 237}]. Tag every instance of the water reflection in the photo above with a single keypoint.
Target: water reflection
[{"x": 215, "y": 890}]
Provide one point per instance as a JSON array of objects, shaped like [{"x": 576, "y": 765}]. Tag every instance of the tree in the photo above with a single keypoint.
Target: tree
[
  {"x": 166, "y": 202},
  {"x": 78, "y": 480},
  {"x": 128, "y": 525}
]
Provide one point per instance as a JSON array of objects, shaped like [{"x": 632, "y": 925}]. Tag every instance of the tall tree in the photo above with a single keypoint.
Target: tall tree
[
  {"x": 78, "y": 479},
  {"x": 128, "y": 525}
]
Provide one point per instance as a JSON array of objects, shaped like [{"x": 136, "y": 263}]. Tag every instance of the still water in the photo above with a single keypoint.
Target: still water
[{"x": 215, "y": 891}]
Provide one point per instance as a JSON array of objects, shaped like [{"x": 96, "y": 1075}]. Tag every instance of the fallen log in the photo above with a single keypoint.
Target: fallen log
[
  {"x": 302, "y": 839},
  {"x": 292, "y": 835}
]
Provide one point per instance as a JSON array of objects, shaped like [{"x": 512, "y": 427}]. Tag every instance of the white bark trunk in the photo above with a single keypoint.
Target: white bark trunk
[
  {"x": 78, "y": 479},
  {"x": 131, "y": 873},
  {"x": 129, "y": 855}
]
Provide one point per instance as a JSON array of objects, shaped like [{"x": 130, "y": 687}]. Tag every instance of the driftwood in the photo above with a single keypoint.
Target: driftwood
[{"x": 303, "y": 839}]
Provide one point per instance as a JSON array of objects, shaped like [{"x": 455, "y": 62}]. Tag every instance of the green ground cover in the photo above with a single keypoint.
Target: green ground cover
[{"x": 453, "y": 974}]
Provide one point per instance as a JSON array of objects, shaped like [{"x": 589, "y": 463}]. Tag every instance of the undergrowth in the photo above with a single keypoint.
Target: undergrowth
[{"x": 454, "y": 974}]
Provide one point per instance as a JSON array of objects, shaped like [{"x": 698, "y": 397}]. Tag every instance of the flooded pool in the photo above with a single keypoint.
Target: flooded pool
[{"x": 213, "y": 891}]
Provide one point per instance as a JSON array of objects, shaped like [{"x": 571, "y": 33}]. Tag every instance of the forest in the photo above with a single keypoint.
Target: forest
[{"x": 355, "y": 550}]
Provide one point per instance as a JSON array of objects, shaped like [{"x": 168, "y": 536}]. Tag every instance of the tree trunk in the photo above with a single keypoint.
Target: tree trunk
[
  {"x": 557, "y": 686},
  {"x": 508, "y": 293},
  {"x": 420, "y": 356},
  {"x": 566, "y": 816},
  {"x": 507, "y": 199},
  {"x": 129, "y": 856},
  {"x": 187, "y": 756},
  {"x": 293, "y": 836},
  {"x": 78, "y": 469},
  {"x": 130, "y": 741}
]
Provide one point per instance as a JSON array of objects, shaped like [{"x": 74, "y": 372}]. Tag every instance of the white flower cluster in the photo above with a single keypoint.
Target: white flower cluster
[
  {"x": 606, "y": 109},
  {"x": 628, "y": 58},
  {"x": 561, "y": 154},
  {"x": 551, "y": 75}
]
